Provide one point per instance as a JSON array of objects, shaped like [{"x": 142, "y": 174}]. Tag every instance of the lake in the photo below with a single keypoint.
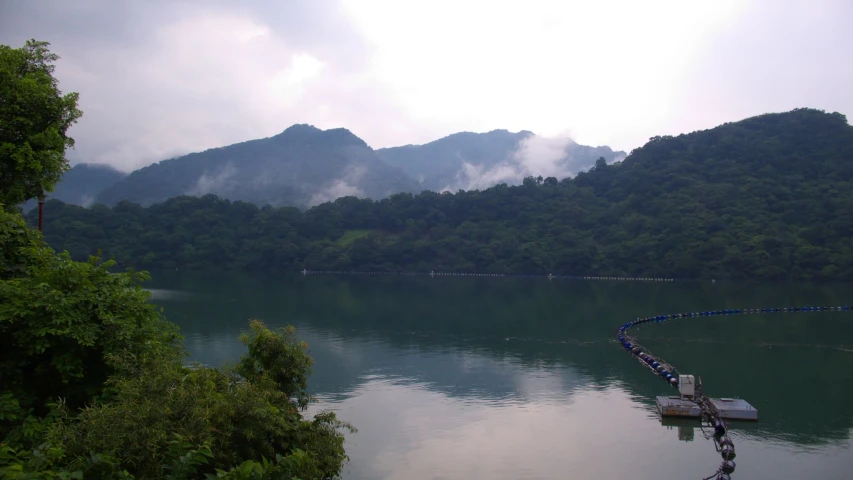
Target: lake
[{"x": 499, "y": 378}]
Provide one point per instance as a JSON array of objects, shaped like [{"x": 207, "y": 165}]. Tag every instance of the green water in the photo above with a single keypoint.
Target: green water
[{"x": 522, "y": 379}]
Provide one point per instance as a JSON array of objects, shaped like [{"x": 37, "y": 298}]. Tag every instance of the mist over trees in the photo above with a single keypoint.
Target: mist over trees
[{"x": 768, "y": 197}]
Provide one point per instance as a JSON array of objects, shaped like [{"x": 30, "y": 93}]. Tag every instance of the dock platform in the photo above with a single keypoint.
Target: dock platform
[{"x": 729, "y": 408}]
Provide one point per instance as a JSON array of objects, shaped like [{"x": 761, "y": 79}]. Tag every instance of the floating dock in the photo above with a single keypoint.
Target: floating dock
[{"x": 729, "y": 408}]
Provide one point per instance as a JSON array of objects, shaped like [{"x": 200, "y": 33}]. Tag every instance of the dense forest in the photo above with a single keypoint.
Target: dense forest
[{"x": 768, "y": 197}]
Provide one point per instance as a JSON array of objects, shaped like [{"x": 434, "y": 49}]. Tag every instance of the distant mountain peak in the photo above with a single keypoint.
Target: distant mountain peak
[
  {"x": 300, "y": 129},
  {"x": 299, "y": 167},
  {"x": 335, "y": 137}
]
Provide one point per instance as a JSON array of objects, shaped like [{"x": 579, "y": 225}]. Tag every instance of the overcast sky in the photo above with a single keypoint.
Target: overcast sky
[{"x": 162, "y": 77}]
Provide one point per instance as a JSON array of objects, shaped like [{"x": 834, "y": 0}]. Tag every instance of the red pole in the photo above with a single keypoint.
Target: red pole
[{"x": 41, "y": 209}]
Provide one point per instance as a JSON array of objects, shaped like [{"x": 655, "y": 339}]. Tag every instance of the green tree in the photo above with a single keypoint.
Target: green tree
[
  {"x": 164, "y": 413},
  {"x": 34, "y": 120},
  {"x": 62, "y": 321},
  {"x": 94, "y": 384}
]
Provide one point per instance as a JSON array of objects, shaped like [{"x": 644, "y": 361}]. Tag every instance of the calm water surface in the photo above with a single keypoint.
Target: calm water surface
[{"x": 522, "y": 379}]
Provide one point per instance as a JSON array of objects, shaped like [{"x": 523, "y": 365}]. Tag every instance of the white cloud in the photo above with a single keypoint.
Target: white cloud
[
  {"x": 214, "y": 183},
  {"x": 344, "y": 186},
  {"x": 160, "y": 78},
  {"x": 338, "y": 188},
  {"x": 187, "y": 76},
  {"x": 289, "y": 85},
  {"x": 535, "y": 156},
  {"x": 87, "y": 201},
  {"x": 605, "y": 69}
]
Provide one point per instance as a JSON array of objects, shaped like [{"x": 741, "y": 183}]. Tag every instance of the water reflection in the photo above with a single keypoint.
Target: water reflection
[
  {"x": 521, "y": 379},
  {"x": 409, "y": 431}
]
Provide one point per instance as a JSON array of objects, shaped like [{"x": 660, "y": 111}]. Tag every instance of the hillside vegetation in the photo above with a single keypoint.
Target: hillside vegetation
[
  {"x": 304, "y": 166},
  {"x": 301, "y": 166},
  {"x": 768, "y": 197}
]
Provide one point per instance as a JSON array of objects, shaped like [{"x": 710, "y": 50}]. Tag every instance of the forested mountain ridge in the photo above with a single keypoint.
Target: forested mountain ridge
[
  {"x": 304, "y": 166},
  {"x": 301, "y": 166},
  {"x": 768, "y": 197},
  {"x": 436, "y": 163},
  {"x": 441, "y": 164}
]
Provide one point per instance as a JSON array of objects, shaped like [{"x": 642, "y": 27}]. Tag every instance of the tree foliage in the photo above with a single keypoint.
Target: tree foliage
[
  {"x": 216, "y": 415},
  {"x": 34, "y": 120},
  {"x": 94, "y": 384},
  {"x": 60, "y": 320},
  {"x": 770, "y": 197}
]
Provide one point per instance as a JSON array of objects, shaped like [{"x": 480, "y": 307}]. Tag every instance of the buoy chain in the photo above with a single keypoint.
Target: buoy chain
[
  {"x": 471, "y": 274},
  {"x": 709, "y": 413}
]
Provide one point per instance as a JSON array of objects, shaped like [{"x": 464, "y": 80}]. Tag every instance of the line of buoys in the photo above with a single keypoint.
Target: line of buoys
[
  {"x": 653, "y": 363},
  {"x": 469, "y": 274},
  {"x": 669, "y": 374}
]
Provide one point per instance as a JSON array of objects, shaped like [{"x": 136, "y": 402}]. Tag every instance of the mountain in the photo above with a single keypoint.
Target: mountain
[
  {"x": 769, "y": 197},
  {"x": 480, "y": 160},
  {"x": 301, "y": 166},
  {"x": 82, "y": 183},
  {"x": 305, "y": 166}
]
